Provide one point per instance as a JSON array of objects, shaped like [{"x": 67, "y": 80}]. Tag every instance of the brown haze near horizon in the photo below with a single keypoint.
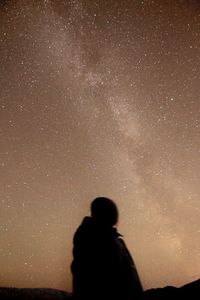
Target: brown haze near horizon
[{"x": 99, "y": 98}]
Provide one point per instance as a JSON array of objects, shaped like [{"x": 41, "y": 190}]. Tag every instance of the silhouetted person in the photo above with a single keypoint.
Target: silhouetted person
[{"x": 102, "y": 266}]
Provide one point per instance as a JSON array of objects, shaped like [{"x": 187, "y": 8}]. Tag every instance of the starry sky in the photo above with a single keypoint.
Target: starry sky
[{"x": 99, "y": 98}]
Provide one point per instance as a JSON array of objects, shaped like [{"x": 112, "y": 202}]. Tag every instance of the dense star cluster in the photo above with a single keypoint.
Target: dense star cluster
[{"x": 99, "y": 98}]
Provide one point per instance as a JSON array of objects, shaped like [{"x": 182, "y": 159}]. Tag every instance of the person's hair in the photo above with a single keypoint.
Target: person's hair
[{"x": 104, "y": 210}]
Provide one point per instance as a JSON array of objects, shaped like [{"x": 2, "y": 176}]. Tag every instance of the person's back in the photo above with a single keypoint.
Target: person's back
[{"x": 102, "y": 267}]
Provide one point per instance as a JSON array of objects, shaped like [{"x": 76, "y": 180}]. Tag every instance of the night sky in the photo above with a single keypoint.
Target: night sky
[{"x": 99, "y": 98}]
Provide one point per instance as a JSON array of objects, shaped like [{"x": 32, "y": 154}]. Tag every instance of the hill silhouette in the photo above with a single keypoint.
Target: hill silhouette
[
  {"x": 188, "y": 291},
  {"x": 33, "y": 294}
]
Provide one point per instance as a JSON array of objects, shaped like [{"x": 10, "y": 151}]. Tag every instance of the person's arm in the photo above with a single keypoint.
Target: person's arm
[{"x": 129, "y": 270}]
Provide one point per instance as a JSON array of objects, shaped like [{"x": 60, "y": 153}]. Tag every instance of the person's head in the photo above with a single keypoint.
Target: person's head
[{"x": 104, "y": 210}]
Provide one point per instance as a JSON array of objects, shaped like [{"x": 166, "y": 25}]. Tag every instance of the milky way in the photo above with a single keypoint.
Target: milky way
[{"x": 99, "y": 98}]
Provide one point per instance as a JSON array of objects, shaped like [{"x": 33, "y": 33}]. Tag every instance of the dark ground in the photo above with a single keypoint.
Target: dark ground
[{"x": 189, "y": 291}]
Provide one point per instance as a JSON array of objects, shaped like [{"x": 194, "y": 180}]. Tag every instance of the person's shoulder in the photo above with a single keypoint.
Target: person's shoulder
[
  {"x": 121, "y": 243},
  {"x": 86, "y": 221},
  {"x": 83, "y": 228}
]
